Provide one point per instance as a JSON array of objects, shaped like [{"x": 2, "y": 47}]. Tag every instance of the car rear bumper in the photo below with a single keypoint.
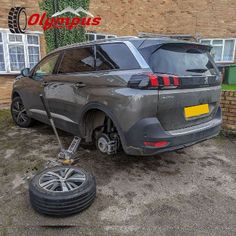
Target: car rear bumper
[{"x": 150, "y": 130}]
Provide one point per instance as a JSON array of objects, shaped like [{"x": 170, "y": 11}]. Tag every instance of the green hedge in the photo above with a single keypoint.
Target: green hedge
[{"x": 61, "y": 37}]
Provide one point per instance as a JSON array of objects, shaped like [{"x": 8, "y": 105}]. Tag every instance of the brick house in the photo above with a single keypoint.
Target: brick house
[
  {"x": 212, "y": 22},
  {"x": 17, "y": 50}
]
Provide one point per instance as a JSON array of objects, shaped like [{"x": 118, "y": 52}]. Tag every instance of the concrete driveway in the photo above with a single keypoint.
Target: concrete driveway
[{"x": 189, "y": 192}]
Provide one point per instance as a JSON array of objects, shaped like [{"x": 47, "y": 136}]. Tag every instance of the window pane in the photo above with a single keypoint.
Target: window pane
[
  {"x": 17, "y": 57},
  {"x": 33, "y": 50},
  {"x": 77, "y": 60},
  {"x": 15, "y": 38},
  {"x": 217, "y": 52},
  {"x": 111, "y": 36},
  {"x": 46, "y": 67},
  {"x": 33, "y": 55},
  {"x": 0, "y": 37},
  {"x": 207, "y": 42},
  {"x": 228, "y": 50},
  {"x": 182, "y": 61},
  {"x": 32, "y": 39},
  {"x": 101, "y": 36},
  {"x": 217, "y": 42},
  {"x": 2, "y": 63},
  {"x": 115, "y": 56},
  {"x": 90, "y": 37}
]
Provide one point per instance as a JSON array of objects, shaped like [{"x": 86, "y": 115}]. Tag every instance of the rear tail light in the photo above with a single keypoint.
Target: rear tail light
[
  {"x": 176, "y": 81},
  {"x": 158, "y": 144},
  {"x": 152, "y": 81},
  {"x": 166, "y": 80}
]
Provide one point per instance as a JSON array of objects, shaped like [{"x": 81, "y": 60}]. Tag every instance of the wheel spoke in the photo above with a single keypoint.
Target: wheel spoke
[
  {"x": 55, "y": 185},
  {"x": 68, "y": 172},
  {"x": 18, "y": 106},
  {"x": 69, "y": 185},
  {"x": 53, "y": 174},
  {"x": 48, "y": 183},
  {"x": 18, "y": 118},
  {"x": 64, "y": 187},
  {"x": 14, "y": 110},
  {"x": 72, "y": 184},
  {"x": 23, "y": 117},
  {"x": 76, "y": 179}
]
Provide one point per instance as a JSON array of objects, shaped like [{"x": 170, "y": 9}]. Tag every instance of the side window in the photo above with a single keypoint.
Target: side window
[
  {"x": 115, "y": 56},
  {"x": 46, "y": 67},
  {"x": 77, "y": 60}
]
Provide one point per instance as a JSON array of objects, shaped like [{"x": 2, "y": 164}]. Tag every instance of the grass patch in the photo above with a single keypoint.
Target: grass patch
[
  {"x": 228, "y": 86},
  {"x": 5, "y": 119}
]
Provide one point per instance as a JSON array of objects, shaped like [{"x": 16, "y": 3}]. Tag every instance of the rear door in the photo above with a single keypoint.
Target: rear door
[{"x": 189, "y": 91}]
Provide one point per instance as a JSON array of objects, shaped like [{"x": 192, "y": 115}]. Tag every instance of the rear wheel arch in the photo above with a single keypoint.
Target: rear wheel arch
[{"x": 94, "y": 113}]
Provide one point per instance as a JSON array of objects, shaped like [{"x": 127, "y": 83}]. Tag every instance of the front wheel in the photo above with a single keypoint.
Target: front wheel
[{"x": 18, "y": 113}]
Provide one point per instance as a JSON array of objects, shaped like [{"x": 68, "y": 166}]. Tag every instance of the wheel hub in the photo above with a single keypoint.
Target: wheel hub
[{"x": 102, "y": 144}]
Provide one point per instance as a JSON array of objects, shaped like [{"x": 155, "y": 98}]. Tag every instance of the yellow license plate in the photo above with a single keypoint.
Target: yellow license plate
[{"x": 196, "y": 110}]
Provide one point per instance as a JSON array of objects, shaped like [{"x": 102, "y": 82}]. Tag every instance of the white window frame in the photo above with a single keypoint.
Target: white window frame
[
  {"x": 223, "y": 47},
  {"x": 6, "y": 43},
  {"x": 100, "y": 34},
  {"x": 34, "y": 45},
  {"x": 1, "y": 43}
]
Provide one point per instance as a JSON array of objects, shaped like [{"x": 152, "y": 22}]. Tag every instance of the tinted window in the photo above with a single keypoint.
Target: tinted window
[
  {"x": 46, "y": 67},
  {"x": 181, "y": 60},
  {"x": 115, "y": 56},
  {"x": 77, "y": 60}
]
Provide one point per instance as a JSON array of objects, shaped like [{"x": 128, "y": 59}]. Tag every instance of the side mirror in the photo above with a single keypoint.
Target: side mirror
[{"x": 25, "y": 72}]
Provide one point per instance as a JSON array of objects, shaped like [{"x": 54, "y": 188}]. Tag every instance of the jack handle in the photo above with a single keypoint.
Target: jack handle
[
  {"x": 51, "y": 121},
  {"x": 45, "y": 106}
]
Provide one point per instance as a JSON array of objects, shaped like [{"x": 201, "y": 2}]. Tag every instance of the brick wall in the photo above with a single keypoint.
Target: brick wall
[
  {"x": 208, "y": 18},
  {"x": 228, "y": 104},
  {"x": 32, "y": 6},
  {"x": 5, "y": 90}
]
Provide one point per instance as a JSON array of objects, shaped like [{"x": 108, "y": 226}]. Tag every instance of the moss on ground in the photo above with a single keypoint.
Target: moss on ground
[{"x": 5, "y": 119}]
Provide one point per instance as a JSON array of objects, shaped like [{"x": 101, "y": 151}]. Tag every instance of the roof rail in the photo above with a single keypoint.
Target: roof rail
[
  {"x": 173, "y": 36},
  {"x": 91, "y": 42},
  {"x": 115, "y": 38}
]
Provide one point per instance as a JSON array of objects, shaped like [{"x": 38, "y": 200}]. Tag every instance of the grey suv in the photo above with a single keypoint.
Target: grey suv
[{"x": 146, "y": 95}]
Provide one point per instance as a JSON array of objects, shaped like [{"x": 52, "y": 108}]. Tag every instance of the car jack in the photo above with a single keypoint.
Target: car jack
[{"x": 66, "y": 156}]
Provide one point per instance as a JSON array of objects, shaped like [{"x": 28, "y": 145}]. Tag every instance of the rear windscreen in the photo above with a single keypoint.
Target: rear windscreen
[{"x": 184, "y": 60}]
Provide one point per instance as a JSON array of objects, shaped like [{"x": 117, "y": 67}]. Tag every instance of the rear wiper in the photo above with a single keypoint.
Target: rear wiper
[{"x": 197, "y": 70}]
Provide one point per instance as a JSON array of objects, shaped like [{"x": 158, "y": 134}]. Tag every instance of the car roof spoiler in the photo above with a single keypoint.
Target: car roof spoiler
[{"x": 151, "y": 42}]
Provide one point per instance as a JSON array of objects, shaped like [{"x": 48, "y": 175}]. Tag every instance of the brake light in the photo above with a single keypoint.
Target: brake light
[
  {"x": 153, "y": 81},
  {"x": 158, "y": 144},
  {"x": 166, "y": 80},
  {"x": 176, "y": 81}
]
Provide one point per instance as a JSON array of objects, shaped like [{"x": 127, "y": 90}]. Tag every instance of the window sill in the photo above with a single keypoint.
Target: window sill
[
  {"x": 9, "y": 73},
  {"x": 224, "y": 62}
]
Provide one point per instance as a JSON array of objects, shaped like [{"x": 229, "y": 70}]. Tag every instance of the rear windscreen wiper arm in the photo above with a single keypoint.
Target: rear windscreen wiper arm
[{"x": 197, "y": 70}]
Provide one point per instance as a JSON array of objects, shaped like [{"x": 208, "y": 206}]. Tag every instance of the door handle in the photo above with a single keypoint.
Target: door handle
[{"x": 80, "y": 85}]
